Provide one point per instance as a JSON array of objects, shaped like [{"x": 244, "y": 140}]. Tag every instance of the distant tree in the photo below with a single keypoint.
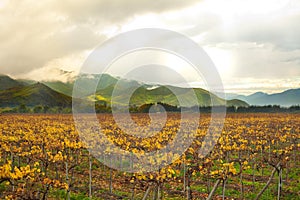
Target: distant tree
[
  {"x": 59, "y": 109},
  {"x": 46, "y": 109},
  {"x": 102, "y": 102},
  {"x": 205, "y": 109},
  {"x": 38, "y": 109},
  {"x": 99, "y": 108},
  {"x": 22, "y": 108},
  {"x": 133, "y": 109},
  {"x": 67, "y": 110},
  {"x": 53, "y": 110},
  {"x": 231, "y": 109},
  {"x": 294, "y": 108},
  {"x": 145, "y": 108},
  {"x": 169, "y": 108}
]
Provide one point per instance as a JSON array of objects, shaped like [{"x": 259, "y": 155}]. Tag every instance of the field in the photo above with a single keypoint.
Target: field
[{"x": 256, "y": 157}]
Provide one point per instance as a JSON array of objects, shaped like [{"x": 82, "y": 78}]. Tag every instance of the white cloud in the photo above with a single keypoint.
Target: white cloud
[
  {"x": 35, "y": 33},
  {"x": 250, "y": 85}
]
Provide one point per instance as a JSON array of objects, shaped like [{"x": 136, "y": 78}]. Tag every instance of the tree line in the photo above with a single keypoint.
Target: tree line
[
  {"x": 36, "y": 109},
  {"x": 153, "y": 107}
]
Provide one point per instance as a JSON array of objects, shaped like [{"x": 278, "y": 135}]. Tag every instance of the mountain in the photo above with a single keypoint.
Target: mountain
[
  {"x": 237, "y": 103},
  {"x": 32, "y": 95},
  {"x": 252, "y": 97},
  {"x": 228, "y": 96},
  {"x": 146, "y": 94},
  {"x": 6, "y": 82},
  {"x": 56, "y": 93},
  {"x": 61, "y": 87},
  {"x": 66, "y": 88},
  {"x": 286, "y": 98}
]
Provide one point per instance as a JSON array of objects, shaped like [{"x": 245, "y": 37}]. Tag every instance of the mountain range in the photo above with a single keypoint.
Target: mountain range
[
  {"x": 56, "y": 93},
  {"x": 287, "y": 98}
]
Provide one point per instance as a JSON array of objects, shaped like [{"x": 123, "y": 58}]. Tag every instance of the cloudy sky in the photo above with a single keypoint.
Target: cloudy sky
[{"x": 254, "y": 44}]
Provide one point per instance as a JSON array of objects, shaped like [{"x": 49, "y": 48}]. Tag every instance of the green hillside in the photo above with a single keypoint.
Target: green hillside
[
  {"x": 236, "y": 103},
  {"x": 163, "y": 94},
  {"x": 85, "y": 80},
  {"x": 61, "y": 87},
  {"x": 6, "y": 82},
  {"x": 32, "y": 95},
  {"x": 56, "y": 93}
]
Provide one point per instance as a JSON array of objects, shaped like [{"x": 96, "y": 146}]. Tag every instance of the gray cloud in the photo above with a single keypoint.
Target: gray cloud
[
  {"x": 155, "y": 74},
  {"x": 116, "y": 10},
  {"x": 263, "y": 46},
  {"x": 282, "y": 31},
  {"x": 265, "y": 62},
  {"x": 34, "y": 33}
]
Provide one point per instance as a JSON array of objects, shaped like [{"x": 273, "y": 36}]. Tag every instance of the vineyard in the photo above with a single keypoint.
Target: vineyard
[{"x": 256, "y": 157}]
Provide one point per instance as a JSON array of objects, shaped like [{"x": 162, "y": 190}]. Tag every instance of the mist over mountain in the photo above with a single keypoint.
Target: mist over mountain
[{"x": 57, "y": 93}]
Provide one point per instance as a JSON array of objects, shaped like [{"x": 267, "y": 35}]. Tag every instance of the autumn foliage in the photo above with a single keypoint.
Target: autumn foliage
[{"x": 43, "y": 154}]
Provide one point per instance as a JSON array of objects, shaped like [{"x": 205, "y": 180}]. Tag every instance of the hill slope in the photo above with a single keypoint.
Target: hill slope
[
  {"x": 32, "y": 95},
  {"x": 49, "y": 93},
  {"x": 6, "y": 82},
  {"x": 66, "y": 88},
  {"x": 164, "y": 94}
]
